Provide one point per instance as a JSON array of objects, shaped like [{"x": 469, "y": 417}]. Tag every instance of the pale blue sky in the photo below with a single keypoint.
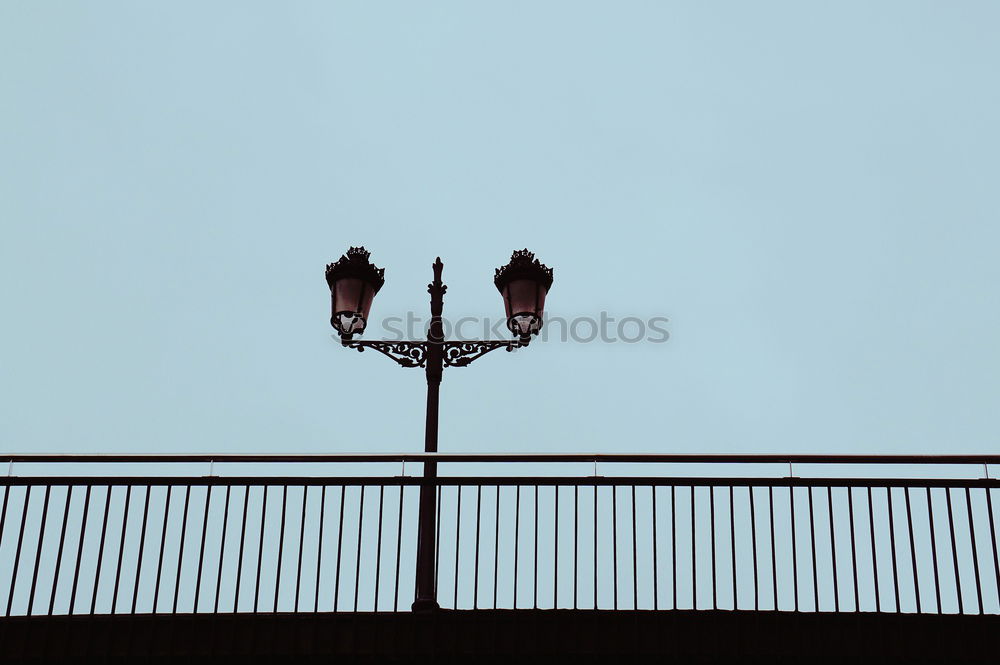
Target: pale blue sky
[{"x": 807, "y": 190}]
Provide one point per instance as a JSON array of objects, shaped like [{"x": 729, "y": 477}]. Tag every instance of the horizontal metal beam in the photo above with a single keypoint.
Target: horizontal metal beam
[
  {"x": 222, "y": 458},
  {"x": 488, "y": 481}
]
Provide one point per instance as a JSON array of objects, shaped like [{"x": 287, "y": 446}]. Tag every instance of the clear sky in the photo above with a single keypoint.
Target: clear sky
[{"x": 807, "y": 190}]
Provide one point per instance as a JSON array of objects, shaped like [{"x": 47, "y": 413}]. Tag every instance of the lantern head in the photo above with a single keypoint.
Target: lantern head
[
  {"x": 523, "y": 284},
  {"x": 353, "y": 283}
]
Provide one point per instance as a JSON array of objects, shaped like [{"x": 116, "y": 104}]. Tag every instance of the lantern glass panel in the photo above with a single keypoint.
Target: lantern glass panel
[
  {"x": 348, "y": 294},
  {"x": 352, "y": 302},
  {"x": 524, "y": 296}
]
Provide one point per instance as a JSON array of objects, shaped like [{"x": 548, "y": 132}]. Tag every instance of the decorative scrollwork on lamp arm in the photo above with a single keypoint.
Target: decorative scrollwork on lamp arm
[
  {"x": 407, "y": 354},
  {"x": 460, "y": 354},
  {"x": 414, "y": 354}
]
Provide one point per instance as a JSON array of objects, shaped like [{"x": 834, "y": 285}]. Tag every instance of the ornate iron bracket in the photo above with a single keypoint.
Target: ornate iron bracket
[
  {"x": 407, "y": 354},
  {"x": 460, "y": 354},
  {"x": 414, "y": 354}
]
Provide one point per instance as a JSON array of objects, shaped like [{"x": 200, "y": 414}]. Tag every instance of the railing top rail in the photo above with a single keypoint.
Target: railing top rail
[
  {"x": 697, "y": 458},
  {"x": 505, "y": 481}
]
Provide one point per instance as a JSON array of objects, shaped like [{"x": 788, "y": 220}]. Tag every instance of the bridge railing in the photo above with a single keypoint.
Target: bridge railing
[{"x": 310, "y": 533}]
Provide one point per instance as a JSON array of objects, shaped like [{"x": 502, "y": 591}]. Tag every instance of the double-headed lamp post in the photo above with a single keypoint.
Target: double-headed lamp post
[{"x": 354, "y": 281}]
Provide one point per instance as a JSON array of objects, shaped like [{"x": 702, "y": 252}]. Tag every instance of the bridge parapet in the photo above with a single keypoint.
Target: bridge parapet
[{"x": 236, "y": 534}]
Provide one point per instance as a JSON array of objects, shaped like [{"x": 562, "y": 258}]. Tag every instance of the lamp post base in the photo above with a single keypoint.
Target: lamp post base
[{"x": 425, "y": 605}]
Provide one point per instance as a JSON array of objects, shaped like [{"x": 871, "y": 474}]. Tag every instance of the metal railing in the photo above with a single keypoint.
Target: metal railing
[{"x": 759, "y": 538}]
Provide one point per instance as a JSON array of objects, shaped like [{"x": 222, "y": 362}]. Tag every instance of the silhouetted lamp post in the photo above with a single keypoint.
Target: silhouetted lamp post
[{"x": 354, "y": 281}]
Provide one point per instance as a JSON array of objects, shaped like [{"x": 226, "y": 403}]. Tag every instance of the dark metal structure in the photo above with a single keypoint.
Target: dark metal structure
[
  {"x": 353, "y": 283},
  {"x": 537, "y": 557},
  {"x": 264, "y": 541}
]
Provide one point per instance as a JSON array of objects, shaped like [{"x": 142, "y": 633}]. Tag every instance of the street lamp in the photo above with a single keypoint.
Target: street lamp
[{"x": 354, "y": 281}]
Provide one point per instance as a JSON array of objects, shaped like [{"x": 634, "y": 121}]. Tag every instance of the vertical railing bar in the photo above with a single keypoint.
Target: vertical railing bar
[
  {"x": 3, "y": 521},
  {"x": 673, "y": 543},
  {"x": 100, "y": 550},
  {"x": 302, "y": 543},
  {"x": 79, "y": 550},
  {"x": 795, "y": 557},
  {"x": 20, "y": 542},
  {"x": 517, "y": 536},
  {"x": 937, "y": 578},
  {"x": 535, "y": 542},
  {"x": 319, "y": 543},
  {"x": 458, "y": 539},
  {"x": 954, "y": 552},
  {"x": 975, "y": 554},
  {"x": 854, "y": 551},
  {"x": 475, "y": 580},
  {"x": 163, "y": 541},
  {"x": 281, "y": 544},
  {"x": 222, "y": 548},
  {"x": 576, "y": 542},
  {"x": 833, "y": 550},
  {"x": 635, "y": 568},
  {"x": 496, "y": 549},
  {"x": 812, "y": 547},
  {"x": 614, "y": 540},
  {"x": 340, "y": 546},
  {"x": 913, "y": 547},
  {"x": 142, "y": 547},
  {"x": 239, "y": 558},
  {"x": 437, "y": 543},
  {"x": 993, "y": 536},
  {"x": 3, "y": 511},
  {"x": 732, "y": 544},
  {"x": 399, "y": 549},
  {"x": 595, "y": 546},
  {"x": 378, "y": 549},
  {"x": 753, "y": 543},
  {"x": 361, "y": 526},
  {"x": 892, "y": 547},
  {"x": 555, "y": 556},
  {"x": 871, "y": 531},
  {"x": 694, "y": 558},
  {"x": 774, "y": 563},
  {"x": 711, "y": 522},
  {"x": 38, "y": 549},
  {"x": 59, "y": 554},
  {"x": 180, "y": 552},
  {"x": 260, "y": 549},
  {"x": 201, "y": 547},
  {"x": 121, "y": 549},
  {"x": 656, "y": 582}
]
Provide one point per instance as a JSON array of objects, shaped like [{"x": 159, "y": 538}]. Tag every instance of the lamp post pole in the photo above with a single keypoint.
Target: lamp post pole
[
  {"x": 354, "y": 282},
  {"x": 425, "y": 596}
]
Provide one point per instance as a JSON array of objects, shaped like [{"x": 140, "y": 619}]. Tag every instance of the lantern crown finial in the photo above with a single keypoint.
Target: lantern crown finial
[
  {"x": 523, "y": 265},
  {"x": 355, "y": 263}
]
